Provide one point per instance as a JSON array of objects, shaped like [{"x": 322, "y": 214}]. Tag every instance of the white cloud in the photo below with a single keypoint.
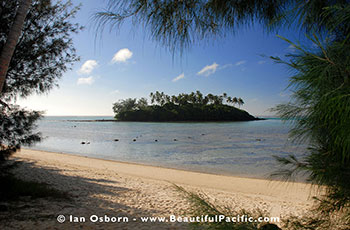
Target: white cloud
[
  {"x": 208, "y": 70},
  {"x": 115, "y": 92},
  {"x": 181, "y": 76},
  {"x": 122, "y": 55},
  {"x": 240, "y": 63},
  {"x": 88, "y": 67},
  {"x": 225, "y": 66},
  {"x": 85, "y": 81},
  {"x": 261, "y": 62}
]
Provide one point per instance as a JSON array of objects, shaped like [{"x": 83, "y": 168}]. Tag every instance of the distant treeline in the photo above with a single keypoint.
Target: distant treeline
[{"x": 183, "y": 107}]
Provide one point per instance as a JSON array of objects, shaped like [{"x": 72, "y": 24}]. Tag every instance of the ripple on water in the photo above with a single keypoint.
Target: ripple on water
[{"x": 228, "y": 147}]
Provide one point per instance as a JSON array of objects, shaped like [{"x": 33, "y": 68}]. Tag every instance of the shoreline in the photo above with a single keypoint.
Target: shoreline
[
  {"x": 191, "y": 178},
  {"x": 243, "y": 176},
  {"x": 101, "y": 187},
  {"x": 185, "y": 121}
]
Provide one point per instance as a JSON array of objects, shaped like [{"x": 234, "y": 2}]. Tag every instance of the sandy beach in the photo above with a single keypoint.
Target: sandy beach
[{"x": 103, "y": 187}]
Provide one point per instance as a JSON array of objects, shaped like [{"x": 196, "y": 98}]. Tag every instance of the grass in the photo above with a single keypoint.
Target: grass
[
  {"x": 314, "y": 219},
  {"x": 201, "y": 206}
]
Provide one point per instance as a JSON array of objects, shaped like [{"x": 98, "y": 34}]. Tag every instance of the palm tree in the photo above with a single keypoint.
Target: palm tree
[
  {"x": 187, "y": 98},
  {"x": 162, "y": 98},
  {"x": 12, "y": 39},
  {"x": 174, "y": 99},
  {"x": 157, "y": 97},
  {"x": 199, "y": 97},
  {"x": 240, "y": 102},
  {"x": 151, "y": 95},
  {"x": 142, "y": 103},
  {"x": 182, "y": 99},
  {"x": 210, "y": 98},
  {"x": 234, "y": 100},
  {"x": 167, "y": 99},
  {"x": 192, "y": 97},
  {"x": 205, "y": 100},
  {"x": 217, "y": 99},
  {"x": 220, "y": 99},
  {"x": 229, "y": 100}
]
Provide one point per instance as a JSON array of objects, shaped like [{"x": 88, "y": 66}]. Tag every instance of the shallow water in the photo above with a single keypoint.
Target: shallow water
[{"x": 229, "y": 148}]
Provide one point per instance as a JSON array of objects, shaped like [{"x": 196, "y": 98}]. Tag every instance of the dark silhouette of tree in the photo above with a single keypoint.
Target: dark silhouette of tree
[
  {"x": 167, "y": 99},
  {"x": 174, "y": 99},
  {"x": 142, "y": 103},
  {"x": 125, "y": 105},
  {"x": 193, "y": 98},
  {"x": 210, "y": 98},
  {"x": 240, "y": 102},
  {"x": 183, "y": 107},
  {"x": 151, "y": 95},
  {"x": 199, "y": 97},
  {"x": 319, "y": 113},
  {"x": 235, "y": 100},
  {"x": 43, "y": 52}
]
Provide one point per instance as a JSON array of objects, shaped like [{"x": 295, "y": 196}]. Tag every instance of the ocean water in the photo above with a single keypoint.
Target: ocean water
[{"x": 228, "y": 148}]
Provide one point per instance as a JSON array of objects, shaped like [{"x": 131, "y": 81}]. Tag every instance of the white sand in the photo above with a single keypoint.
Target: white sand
[{"x": 122, "y": 189}]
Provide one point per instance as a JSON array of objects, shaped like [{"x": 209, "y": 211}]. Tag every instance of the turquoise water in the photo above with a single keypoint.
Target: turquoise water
[{"x": 229, "y": 148}]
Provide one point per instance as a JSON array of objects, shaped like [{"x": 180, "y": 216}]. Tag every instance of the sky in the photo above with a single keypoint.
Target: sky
[{"x": 127, "y": 64}]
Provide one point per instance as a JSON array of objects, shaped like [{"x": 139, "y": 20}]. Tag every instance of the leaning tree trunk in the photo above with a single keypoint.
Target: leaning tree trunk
[{"x": 12, "y": 39}]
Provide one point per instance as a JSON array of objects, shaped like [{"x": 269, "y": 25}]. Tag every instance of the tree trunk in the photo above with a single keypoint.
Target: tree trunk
[{"x": 12, "y": 39}]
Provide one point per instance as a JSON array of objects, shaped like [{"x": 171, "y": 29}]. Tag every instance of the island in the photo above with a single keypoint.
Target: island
[{"x": 193, "y": 107}]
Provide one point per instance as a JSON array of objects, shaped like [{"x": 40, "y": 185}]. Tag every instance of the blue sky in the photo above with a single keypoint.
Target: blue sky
[{"x": 232, "y": 64}]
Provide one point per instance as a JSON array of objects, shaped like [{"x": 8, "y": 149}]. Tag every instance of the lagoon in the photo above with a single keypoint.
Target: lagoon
[{"x": 227, "y": 148}]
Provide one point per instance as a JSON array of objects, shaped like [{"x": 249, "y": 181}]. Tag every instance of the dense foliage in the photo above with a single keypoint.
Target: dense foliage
[
  {"x": 44, "y": 51},
  {"x": 184, "y": 107},
  {"x": 321, "y": 104}
]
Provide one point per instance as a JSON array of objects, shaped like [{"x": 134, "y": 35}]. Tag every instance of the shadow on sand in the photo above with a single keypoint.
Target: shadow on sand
[{"x": 87, "y": 197}]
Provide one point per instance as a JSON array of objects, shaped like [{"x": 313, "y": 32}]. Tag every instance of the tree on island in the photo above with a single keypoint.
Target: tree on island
[
  {"x": 43, "y": 52},
  {"x": 183, "y": 107},
  {"x": 320, "y": 104}
]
